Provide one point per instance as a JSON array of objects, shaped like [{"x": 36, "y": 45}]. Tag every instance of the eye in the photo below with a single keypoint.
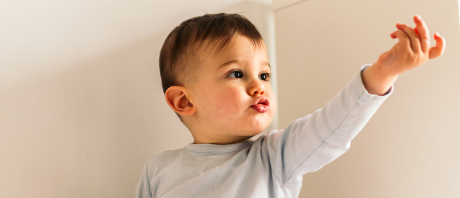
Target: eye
[
  {"x": 265, "y": 76},
  {"x": 236, "y": 74}
]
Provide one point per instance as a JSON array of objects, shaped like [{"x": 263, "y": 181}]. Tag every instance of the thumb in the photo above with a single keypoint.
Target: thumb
[{"x": 440, "y": 46}]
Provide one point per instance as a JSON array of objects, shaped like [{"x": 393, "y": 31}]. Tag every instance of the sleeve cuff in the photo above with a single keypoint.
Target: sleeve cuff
[
  {"x": 359, "y": 89},
  {"x": 389, "y": 92}
]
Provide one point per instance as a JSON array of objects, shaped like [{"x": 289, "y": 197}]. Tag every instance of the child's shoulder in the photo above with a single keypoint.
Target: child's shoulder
[{"x": 164, "y": 159}]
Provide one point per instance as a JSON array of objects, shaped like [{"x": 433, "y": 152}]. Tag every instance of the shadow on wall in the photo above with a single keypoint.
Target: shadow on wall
[{"x": 85, "y": 132}]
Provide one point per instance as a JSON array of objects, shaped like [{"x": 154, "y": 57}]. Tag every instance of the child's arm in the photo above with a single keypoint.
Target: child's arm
[
  {"x": 309, "y": 143},
  {"x": 411, "y": 51}
]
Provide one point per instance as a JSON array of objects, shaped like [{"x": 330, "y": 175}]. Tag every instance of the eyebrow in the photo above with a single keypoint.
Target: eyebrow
[{"x": 236, "y": 61}]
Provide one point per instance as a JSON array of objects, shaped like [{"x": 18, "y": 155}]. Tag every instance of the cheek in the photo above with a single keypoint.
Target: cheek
[
  {"x": 224, "y": 103},
  {"x": 229, "y": 102}
]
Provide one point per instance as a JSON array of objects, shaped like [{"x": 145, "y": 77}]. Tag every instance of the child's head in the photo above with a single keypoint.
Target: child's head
[{"x": 214, "y": 69}]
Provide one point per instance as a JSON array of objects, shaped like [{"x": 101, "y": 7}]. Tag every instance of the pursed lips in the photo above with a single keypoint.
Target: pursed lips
[{"x": 261, "y": 105}]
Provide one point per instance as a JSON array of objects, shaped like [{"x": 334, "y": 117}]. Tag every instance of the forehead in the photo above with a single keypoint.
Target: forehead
[{"x": 237, "y": 49}]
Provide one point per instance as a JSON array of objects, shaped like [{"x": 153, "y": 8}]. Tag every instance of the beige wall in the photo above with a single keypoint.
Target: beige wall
[
  {"x": 81, "y": 103},
  {"x": 411, "y": 146}
]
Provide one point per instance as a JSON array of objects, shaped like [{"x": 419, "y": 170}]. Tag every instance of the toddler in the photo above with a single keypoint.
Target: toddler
[{"x": 215, "y": 75}]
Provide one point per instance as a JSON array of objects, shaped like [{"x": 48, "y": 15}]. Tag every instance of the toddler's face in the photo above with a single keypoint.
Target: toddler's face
[{"x": 224, "y": 94}]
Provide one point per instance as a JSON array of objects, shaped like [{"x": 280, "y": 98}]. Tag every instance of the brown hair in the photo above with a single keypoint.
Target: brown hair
[{"x": 179, "y": 53}]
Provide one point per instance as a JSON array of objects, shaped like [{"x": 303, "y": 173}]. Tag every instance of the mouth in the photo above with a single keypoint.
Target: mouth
[{"x": 261, "y": 105}]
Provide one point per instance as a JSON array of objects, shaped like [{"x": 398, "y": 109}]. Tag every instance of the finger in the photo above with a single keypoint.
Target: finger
[
  {"x": 413, "y": 37},
  {"x": 393, "y": 35},
  {"x": 423, "y": 33},
  {"x": 440, "y": 46},
  {"x": 403, "y": 39}
]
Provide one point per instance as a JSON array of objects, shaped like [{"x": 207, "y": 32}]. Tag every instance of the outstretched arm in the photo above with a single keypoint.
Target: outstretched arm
[{"x": 411, "y": 51}]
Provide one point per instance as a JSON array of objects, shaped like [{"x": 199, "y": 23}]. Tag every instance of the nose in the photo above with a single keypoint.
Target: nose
[{"x": 256, "y": 87}]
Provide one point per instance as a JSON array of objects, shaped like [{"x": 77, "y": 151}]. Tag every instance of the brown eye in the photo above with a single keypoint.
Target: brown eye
[
  {"x": 265, "y": 76},
  {"x": 236, "y": 74}
]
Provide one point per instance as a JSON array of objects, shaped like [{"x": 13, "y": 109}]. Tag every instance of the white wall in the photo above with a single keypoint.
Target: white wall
[
  {"x": 411, "y": 146},
  {"x": 81, "y": 103}
]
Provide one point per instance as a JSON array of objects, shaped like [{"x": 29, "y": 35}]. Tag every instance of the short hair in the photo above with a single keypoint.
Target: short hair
[{"x": 179, "y": 55}]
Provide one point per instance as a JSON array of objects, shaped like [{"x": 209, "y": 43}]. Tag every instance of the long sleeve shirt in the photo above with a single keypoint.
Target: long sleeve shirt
[{"x": 272, "y": 165}]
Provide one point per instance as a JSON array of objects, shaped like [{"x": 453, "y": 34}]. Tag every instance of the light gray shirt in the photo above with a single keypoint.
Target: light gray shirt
[{"x": 272, "y": 165}]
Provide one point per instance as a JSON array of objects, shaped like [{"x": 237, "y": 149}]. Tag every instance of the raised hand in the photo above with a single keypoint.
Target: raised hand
[{"x": 412, "y": 50}]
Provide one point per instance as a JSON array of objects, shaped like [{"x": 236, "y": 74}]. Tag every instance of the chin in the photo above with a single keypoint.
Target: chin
[
  {"x": 255, "y": 125},
  {"x": 256, "y": 133},
  {"x": 257, "y": 129}
]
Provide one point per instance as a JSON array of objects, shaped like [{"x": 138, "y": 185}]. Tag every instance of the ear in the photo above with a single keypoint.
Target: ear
[{"x": 177, "y": 99}]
